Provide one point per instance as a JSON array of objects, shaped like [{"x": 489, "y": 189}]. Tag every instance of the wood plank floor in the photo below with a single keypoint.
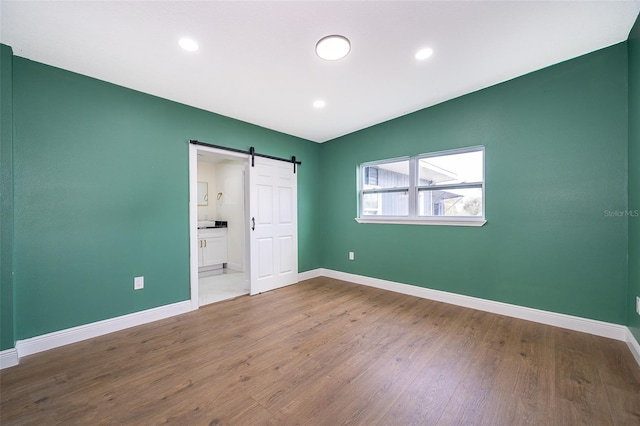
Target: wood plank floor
[{"x": 327, "y": 352}]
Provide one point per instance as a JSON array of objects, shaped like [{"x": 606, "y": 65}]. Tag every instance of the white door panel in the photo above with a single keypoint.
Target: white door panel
[
  {"x": 286, "y": 205},
  {"x": 286, "y": 254},
  {"x": 274, "y": 225},
  {"x": 265, "y": 204},
  {"x": 265, "y": 258}
]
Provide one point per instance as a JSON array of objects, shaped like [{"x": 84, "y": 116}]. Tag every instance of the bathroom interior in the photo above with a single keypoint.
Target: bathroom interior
[{"x": 221, "y": 232}]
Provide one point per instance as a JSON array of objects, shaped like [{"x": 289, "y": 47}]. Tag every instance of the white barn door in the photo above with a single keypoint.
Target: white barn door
[{"x": 273, "y": 225}]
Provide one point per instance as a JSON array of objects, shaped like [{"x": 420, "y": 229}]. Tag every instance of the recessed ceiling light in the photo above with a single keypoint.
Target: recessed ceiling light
[
  {"x": 188, "y": 44},
  {"x": 423, "y": 54},
  {"x": 319, "y": 103},
  {"x": 333, "y": 47}
]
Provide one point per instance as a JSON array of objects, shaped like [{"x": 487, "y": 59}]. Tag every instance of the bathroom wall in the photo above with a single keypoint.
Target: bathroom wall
[
  {"x": 230, "y": 207},
  {"x": 207, "y": 173}
]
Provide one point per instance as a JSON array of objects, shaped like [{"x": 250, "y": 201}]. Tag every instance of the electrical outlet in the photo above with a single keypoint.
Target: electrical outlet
[
  {"x": 138, "y": 283},
  {"x": 351, "y": 256},
  {"x": 638, "y": 305}
]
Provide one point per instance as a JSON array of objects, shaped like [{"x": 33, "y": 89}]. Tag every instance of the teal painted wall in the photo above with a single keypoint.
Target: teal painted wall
[
  {"x": 100, "y": 180},
  {"x": 6, "y": 199},
  {"x": 556, "y": 159},
  {"x": 634, "y": 177},
  {"x": 101, "y": 196}
]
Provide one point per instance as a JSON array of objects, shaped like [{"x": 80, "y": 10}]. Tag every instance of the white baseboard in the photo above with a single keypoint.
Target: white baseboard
[
  {"x": 235, "y": 266},
  {"x": 89, "y": 331},
  {"x": 11, "y": 357},
  {"x": 585, "y": 325},
  {"x": 634, "y": 346},
  {"x": 8, "y": 358},
  {"x": 307, "y": 275}
]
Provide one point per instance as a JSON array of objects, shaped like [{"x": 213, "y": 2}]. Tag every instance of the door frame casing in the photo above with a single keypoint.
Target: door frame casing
[{"x": 193, "y": 215}]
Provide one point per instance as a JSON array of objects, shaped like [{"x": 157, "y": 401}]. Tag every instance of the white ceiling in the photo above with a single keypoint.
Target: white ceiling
[{"x": 257, "y": 62}]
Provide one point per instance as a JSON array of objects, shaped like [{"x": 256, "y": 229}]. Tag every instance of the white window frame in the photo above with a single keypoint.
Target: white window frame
[{"x": 412, "y": 218}]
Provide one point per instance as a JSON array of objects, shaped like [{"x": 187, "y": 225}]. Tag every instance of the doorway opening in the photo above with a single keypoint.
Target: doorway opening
[
  {"x": 221, "y": 250},
  {"x": 243, "y": 222}
]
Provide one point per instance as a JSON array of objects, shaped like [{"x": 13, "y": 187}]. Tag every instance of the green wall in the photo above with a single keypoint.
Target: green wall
[
  {"x": 95, "y": 191},
  {"x": 101, "y": 196},
  {"x": 6, "y": 200},
  {"x": 634, "y": 177},
  {"x": 556, "y": 159}
]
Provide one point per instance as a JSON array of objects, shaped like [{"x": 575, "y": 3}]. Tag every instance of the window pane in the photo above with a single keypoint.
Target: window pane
[
  {"x": 451, "y": 169},
  {"x": 452, "y": 202},
  {"x": 386, "y": 204},
  {"x": 371, "y": 205},
  {"x": 387, "y": 175}
]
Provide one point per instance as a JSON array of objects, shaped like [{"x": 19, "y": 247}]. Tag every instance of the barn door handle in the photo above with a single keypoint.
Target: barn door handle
[{"x": 253, "y": 223}]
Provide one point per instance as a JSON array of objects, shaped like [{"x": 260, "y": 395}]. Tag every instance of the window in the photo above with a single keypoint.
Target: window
[
  {"x": 444, "y": 188},
  {"x": 386, "y": 189}
]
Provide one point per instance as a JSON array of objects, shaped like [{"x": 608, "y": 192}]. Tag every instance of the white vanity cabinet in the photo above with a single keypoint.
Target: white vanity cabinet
[{"x": 212, "y": 247}]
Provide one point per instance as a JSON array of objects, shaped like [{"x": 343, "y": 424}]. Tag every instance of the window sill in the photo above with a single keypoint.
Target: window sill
[{"x": 437, "y": 222}]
